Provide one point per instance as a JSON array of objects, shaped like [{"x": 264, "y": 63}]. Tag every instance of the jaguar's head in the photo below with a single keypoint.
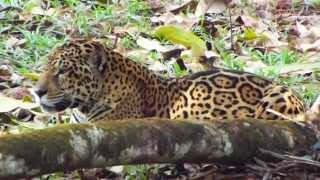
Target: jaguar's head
[{"x": 72, "y": 75}]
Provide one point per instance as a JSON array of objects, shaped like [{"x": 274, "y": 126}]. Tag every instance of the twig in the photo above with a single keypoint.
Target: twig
[
  {"x": 115, "y": 41},
  {"x": 288, "y": 161},
  {"x": 8, "y": 8},
  {"x": 292, "y": 159},
  {"x": 231, "y": 27}
]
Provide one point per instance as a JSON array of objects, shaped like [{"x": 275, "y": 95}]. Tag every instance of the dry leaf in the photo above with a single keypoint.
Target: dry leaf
[
  {"x": 13, "y": 42},
  {"x": 157, "y": 66},
  {"x": 284, "y": 4},
  {"x": 39, "y": 11},
  {"x": 8, "y": 104},
  {"x": 184, "y": 21},
  {"x": 188, "y": 5},
  {"x": 302, "y": 30},
  {"x": 210, "y": 6},
  {"x": 155, "y": 5},
  {"x": 17, "y": 92},
  {"x": 5, "y": 70},
  {"x": 248, "y": 21},
  {"x": 253, "y": 66},
  {"x": 315, "y": 31},
  {"x": 309, "y": 46},
  {"x": 315, "y": 108},
  {"x": 151, "y": 44}
]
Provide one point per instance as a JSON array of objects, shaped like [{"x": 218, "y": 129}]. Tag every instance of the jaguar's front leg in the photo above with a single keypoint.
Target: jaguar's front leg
[{"x": 95, "y": 113}]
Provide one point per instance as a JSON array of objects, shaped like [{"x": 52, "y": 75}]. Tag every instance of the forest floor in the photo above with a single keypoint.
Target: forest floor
[{"x": 279, "y": 40}]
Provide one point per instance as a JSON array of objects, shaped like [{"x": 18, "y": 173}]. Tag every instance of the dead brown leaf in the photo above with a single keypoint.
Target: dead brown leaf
[
  {"x": 151, "y": 44},
  {"x": 183, "y": 21},
  {"x": 302, "y": 30},
  {"x": 210, "y": 6},
  {"x": 284, "y": 4},
  {"x": 187, "y": 5},
  {"x": 312, "y": 46},
  {"x": 14, "y": 42}
]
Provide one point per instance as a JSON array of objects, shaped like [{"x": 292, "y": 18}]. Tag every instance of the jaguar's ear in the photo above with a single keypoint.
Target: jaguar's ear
[{"x": 99, "y": 58}]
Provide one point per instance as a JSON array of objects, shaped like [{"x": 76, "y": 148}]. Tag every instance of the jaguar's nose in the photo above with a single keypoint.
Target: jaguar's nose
[{"x": 40, "y": 92}]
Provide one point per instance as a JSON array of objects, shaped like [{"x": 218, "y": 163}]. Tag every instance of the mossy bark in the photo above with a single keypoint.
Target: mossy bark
[{"x": 69, "y": 147}]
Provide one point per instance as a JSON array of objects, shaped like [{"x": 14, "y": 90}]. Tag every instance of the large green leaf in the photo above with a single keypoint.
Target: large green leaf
[
  {"x": 179, "y": 36},
  {"x": 31, "y": 76}
]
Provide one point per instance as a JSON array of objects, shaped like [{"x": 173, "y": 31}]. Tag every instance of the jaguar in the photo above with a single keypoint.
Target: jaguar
[{"x": 101, "y": 84}]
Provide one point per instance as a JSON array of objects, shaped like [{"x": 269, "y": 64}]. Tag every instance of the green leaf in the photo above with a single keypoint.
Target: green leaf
[
  {"x": 31, "y": 76},
  {"x": 250, "y": 34},
  {"x": 179, "y": 36},
  {"x": 8, "y": 104},
  {"x": 178, "y": 71}
]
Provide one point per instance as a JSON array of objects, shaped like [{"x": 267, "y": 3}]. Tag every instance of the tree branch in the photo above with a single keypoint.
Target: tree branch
[{"x": 69, "y": 147}]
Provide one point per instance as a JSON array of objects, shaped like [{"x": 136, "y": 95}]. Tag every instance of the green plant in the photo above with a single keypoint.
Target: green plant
[
  {"x": 296, "y": 5},
  {"x": 309, "y": 95},
  {"x": 14, "y": 3},
  {"x": 71, "y": 3},
  {"x": 141, "y": 172},
  {"x": 270, "y": 73},
  {"x": 250, "y": 35},
  {"x": 136, "y": 172},
  {"x": 30, "y": 5},
  {"x": 229, "y": 58},
  {"x": 291, "y": 81},
  {"x": 154, "y": 55},
  {"x": 128, "y": 42},
  {"x": 202, "y": 33},
  {"x": 139, "y": 7},
  {"x": 82, "y": 23},
  {"x": 315, "y": 3},
  {"x": 38, "y": 43},
  {"x": 178, "y": 71},
  {"x": 273, "y": 58},
  {"x": 134, "y": 58},
  {"x": 102, "y": 13},
  {"x": 139, "y": 13}
]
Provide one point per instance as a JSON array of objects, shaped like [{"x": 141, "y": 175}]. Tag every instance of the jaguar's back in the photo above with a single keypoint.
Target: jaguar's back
[
  {"x": 229, "y": 94},
  {"x": 102, "y": 84}
]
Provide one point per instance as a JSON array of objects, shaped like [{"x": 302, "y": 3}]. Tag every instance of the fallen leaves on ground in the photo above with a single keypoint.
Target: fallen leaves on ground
[{"x": 276, "y": 39}]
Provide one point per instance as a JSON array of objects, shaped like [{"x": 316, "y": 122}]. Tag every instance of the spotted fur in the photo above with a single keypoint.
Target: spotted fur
[{"x": 101, "y": 83}]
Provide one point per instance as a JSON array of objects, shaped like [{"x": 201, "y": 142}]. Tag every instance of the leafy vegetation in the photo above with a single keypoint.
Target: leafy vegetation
[{"x": 269, "y": 45}]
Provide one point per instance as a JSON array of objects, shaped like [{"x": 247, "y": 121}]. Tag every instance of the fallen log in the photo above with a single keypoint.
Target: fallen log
[{"x": 74, "y": 146}]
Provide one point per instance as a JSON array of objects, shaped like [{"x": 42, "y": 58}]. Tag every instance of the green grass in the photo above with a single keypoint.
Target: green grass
[
  {"x": 128, "y": 42},
  {"x": 82, "y": 23},
  {"x": 228, "y": 57},
  {"x": 102, "y": 13},
  {"x": 37, "y": 45},
  {"x": 141, "y": 172},
  {"x": 138, "y": 7},
  {"x": 273, "y": 58},
  {"x": 309, "y": 95}
]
